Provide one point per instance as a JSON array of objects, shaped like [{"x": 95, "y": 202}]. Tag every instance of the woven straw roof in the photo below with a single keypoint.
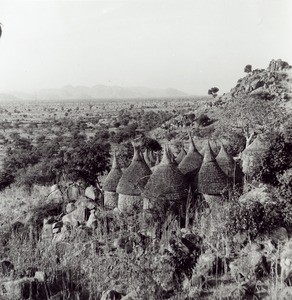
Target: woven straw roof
[
  {"x": 226, "y": 162},
  {"x": 258, "y": 145},
  {"x": 211, "y": 179},
  {"x": 181, "y": 155},
  {"x": 166, "y": 182},
  {"x": 135, "y": 176},
  {"x": 111, "y": 182},
  {"x": 192, "y": 161}
]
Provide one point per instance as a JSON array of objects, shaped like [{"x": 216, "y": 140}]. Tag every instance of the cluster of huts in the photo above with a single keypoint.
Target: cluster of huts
[{"x": 149, "y": 181}]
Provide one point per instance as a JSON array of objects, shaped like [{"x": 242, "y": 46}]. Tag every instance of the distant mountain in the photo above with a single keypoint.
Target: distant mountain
[{"x": 96, "y": 92}]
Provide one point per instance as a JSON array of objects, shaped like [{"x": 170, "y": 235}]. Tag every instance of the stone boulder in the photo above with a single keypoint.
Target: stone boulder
[
  {"x": 76, "y": 217},
  {"x": 92, "y": 193},
  {"x": 16, "y": 289},
  {"x": 111, "y": 295}
]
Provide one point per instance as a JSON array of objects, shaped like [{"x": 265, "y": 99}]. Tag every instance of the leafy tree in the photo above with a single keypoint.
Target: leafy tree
[
  {"x": 249, "y": 116},
  {"x": 0, "y": 29},
  {"x": 277, "y": 159},
  {"x": 203, "y": 120},
  {"x": 151, "y": 144},
  {"x": 213, "y": 91},
  {"x": 248, "y": 68}
]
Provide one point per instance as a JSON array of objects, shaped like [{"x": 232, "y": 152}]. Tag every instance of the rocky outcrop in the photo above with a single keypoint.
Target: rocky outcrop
[{"x": 270, "y": 83}]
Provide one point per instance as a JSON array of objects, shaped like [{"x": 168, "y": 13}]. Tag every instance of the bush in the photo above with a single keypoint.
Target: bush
[{"x": 203, "y": 120}]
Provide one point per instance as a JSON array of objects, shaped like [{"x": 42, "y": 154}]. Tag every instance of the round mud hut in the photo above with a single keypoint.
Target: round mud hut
[
  {"x": 191, "y": 164},
  {"x": 132, "y": 183},
  {"x": 167, "y": 186},
  {"x": 252, "y": 156},
  {"x": 212, "y": 181},
  {"x": 110, "y": 185}
]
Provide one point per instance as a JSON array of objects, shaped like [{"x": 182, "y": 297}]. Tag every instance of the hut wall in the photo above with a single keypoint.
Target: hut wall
[
  {"x": 129, "y": 204},
  {"x": 111, "y": 200}
]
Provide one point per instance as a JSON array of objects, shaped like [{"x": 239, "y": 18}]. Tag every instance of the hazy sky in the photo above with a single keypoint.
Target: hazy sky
[{"x": 188, "y": 45}]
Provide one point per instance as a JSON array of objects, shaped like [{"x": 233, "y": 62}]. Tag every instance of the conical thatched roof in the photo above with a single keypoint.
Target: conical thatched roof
[
  {"x": 111, "y": 182},
  {"x": 258, "y": 145},
  {"x": 167, "y": 182},
  {"x": 211, "y": 179},
  {"x": 181, "y": 155},
  {"x": 135, "y": 176},
  {"x": 226, "y": 162},
  {"x": 192, "y": 161}
]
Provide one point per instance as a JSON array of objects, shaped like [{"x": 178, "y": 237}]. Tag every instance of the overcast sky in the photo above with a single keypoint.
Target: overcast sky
[{"x": 187, "y": 45}]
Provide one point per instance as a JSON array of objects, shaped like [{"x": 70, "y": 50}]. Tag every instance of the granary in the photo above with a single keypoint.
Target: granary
[
  {"x": 181, "y": 155},
  {"x": 167, "y": 185},
  {"x": 212, "y": 181},
  {"x": 110, "y": 185},
  {"x": 253, "y": 154},
  {"x": 191, "y": 163},
  {"x": 226, "y": 162},
  {"x": 132, "y": 183}
]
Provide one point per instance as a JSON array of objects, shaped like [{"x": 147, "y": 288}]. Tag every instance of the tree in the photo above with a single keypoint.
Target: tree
[
  {"x": 249, "y": 116},
  {"x": 213, "y": 91},
  {"x": 203, "y": 120},
  {"x": 150, "y": 144},
  {"x": 247, "y": 68},
  {"x": 0, "y": 29}
]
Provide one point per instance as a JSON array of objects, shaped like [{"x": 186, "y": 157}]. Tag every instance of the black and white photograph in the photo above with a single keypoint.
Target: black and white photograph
[{"x": 145, "y": 149}]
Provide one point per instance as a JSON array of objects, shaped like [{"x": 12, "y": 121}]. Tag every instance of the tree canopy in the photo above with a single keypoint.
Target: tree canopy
[
  {"x": 213, "y": 91},
  {"x": 247, "y": 68},
  {"x": 249, "y": 115}
]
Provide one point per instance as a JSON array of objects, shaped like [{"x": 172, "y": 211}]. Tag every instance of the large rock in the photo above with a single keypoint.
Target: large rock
[
  {"x": 70, "y": 207},
  {"x": 15, "y": 289},
  {"x": 76, "y": 217},
  {"x": 111, "y": 295},
  {"x": 92, "y": 193},
  {"x": 92, "y": 220},
  {"x": 260, "y": 194}
]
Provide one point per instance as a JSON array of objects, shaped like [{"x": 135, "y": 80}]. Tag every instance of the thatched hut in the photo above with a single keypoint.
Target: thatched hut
[
  {"x": 181, "y": 155},
  {"x": 226, "y": 162},
  {"x": 110, "y": 185},
  {"x": 191, "y": 163},
  {"x": 167, "y": 185},
  {"x": 212, "y": 181},
  {"x": 132, "y": 182},
  {"x": 253, "y": 154}
]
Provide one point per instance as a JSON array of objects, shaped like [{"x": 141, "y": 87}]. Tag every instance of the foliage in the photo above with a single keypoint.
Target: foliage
[
  {"x": 203, "y": 120},
  {"x": 248, "y": 68},
  {"x": 277, "y": 159},
  {"x": 254, "y": 218},
  {"x": 248, "y": 115},
  {"x": 125, "y": 154},
  {"x": 151, "y": 144},
  {"x": 213, "y": 91},
  {"x": 73, "y": 157}
]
